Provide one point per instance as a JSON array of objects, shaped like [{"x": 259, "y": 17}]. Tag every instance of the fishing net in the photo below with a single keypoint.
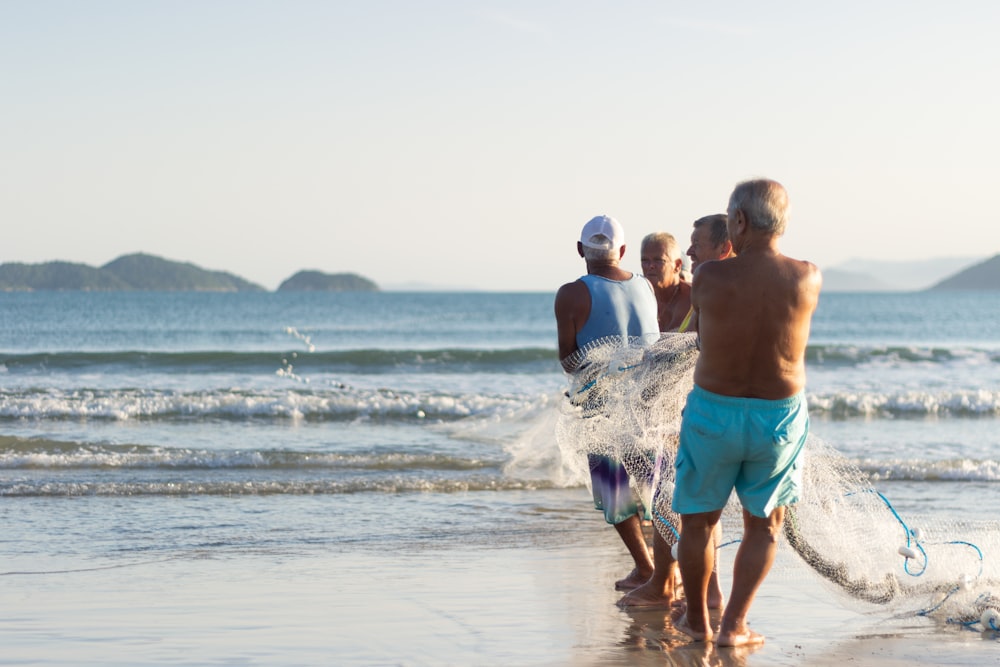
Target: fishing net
[
  {"x": 622, "y": 405},
  {"x": 625, "y": 401}
]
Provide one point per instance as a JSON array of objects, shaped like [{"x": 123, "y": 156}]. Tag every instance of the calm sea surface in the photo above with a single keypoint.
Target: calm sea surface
[{"x": 137, "y": 427}]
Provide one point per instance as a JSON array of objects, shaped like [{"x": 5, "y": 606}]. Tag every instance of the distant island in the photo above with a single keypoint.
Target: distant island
[
  {"x": 872, "y": 275},
  {"x": 317, "y": 281},
  {"x": 982, "y": 276},
  {"x": 140, "y": 271}
]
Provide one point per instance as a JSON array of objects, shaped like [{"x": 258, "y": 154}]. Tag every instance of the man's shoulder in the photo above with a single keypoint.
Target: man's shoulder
[
  {"x": 572, "y": 292},
  {"x": 803, "y": 264},
  {"x": 573, "y": 285},
  {"x": 807, "y": 272},
  {"x": 790, "y": 265},
  {"x": 798, "y": 276},
  {"x": 812, "y": 279},
  {"x": 713, "y": 269}
]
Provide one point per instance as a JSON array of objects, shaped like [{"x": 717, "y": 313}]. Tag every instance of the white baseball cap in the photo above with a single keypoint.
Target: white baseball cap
[{"x": 603, "y": 232}]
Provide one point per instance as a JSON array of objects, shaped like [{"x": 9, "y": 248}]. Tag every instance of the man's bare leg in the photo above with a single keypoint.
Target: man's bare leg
[
  {"x": 753, "y": 561},
  {"x": 696, "y": 557},
  {"x": 658, "y": 591},
  {"x": 716, "y": 600},
  {"x": 630, "y": 530}
]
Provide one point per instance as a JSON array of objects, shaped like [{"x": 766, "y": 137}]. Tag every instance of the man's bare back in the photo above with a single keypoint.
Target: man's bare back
[{"x": 754, "y": 313}]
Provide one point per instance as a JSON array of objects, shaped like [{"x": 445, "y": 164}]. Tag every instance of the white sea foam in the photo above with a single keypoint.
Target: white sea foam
[
  {"x": 130, "y": 404},
  {"x": 966, "y": 470},
  {"x": 974, "y": 402}
]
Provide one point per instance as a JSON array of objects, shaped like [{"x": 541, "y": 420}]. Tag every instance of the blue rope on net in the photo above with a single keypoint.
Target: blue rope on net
[
  {"x": 669, "y": 525},
  {"x": 913, "y": 539},
  {"x": 621, "y": 369}
]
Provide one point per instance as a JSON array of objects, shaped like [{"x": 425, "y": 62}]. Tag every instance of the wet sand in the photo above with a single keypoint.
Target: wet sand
[{"x": 448, "y": 604}]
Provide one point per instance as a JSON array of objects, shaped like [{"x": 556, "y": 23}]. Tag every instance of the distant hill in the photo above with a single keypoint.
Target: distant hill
[
  {"x": 982, "y": 276},
  {"x": 903, "y": 275},
  {"x": 57, "y": 276},
  {"x": 129, "y": 272},
  {"x": 148, "y": 272},
  {"x": 317, "y": 281}
]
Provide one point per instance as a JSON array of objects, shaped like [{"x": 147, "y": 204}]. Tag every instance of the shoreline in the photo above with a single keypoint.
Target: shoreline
[{"x": 443, "y": 602}]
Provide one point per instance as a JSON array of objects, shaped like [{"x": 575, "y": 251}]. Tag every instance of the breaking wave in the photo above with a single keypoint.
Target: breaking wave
[
  {"x": 967, "y": 403},
  {"x": 323, "y": 404}
]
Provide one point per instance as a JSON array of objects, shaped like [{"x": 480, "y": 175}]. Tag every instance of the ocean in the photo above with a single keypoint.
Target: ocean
[{"x": 253, "y": 478}]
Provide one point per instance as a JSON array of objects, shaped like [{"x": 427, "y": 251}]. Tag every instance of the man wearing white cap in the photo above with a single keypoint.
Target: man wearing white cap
[{"x": 608, "y": 301}]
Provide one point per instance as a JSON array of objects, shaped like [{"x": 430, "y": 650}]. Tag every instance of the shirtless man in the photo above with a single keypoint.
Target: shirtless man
[
  {"x": 662, "y": 266},
  {"x": 745, "y": 421},
  {"x": 709, "y": 241},
  {"x": 608, "y": 301}
]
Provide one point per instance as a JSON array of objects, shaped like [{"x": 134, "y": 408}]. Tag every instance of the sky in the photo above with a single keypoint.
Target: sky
[{"x": 465, "y": 143}]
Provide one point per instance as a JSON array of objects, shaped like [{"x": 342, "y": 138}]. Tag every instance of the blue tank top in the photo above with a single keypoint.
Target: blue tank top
[{"x": 619, "y": 308}]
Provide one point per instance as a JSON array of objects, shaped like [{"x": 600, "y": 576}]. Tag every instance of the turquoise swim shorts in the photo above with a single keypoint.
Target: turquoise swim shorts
[{"x": 751, "y": 445}]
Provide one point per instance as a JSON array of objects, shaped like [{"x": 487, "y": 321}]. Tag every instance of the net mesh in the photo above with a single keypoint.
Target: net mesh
[{"x": 625, "y": 402}]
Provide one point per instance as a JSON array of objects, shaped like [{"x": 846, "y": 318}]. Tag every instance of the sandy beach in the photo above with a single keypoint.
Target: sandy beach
[{"x": 513, "y": 601}]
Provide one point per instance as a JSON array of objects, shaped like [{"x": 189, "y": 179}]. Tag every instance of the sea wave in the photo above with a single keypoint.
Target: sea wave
[
  {"x": 339, "y": 403},
  {"x": 40, "y": 467},
  {"x": 970, "y": 403},
  {"x": 367, "y": 360},
  {"x": 896, "y": 355},
  {"x": 36, "y": 454},
  {"x": 52, "y": 468},
  {"x": 955, "y": 470},
  {"x": 459, "y": 361},
  {"x": 343, "y": 403},
  {"x": 57, "y": 488}
]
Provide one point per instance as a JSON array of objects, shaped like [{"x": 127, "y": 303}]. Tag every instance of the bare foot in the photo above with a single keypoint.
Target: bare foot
[
  {"x": 633, "y": 580},
  {"x": 746, "y": 638},
  {"x": 646, "y": 597},
  {"x": 681, "y": 624}
]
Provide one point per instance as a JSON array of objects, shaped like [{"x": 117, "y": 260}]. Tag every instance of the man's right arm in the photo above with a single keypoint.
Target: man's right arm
[{"x": 569, "y": 300}]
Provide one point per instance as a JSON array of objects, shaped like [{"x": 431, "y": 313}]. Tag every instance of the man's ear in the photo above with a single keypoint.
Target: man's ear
[
  {"x": 678, "y": 265},
  {"x": 741, "y": 220},
  {"x": 579, "y": 248},
  {"x": 621, "y": 252}
]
